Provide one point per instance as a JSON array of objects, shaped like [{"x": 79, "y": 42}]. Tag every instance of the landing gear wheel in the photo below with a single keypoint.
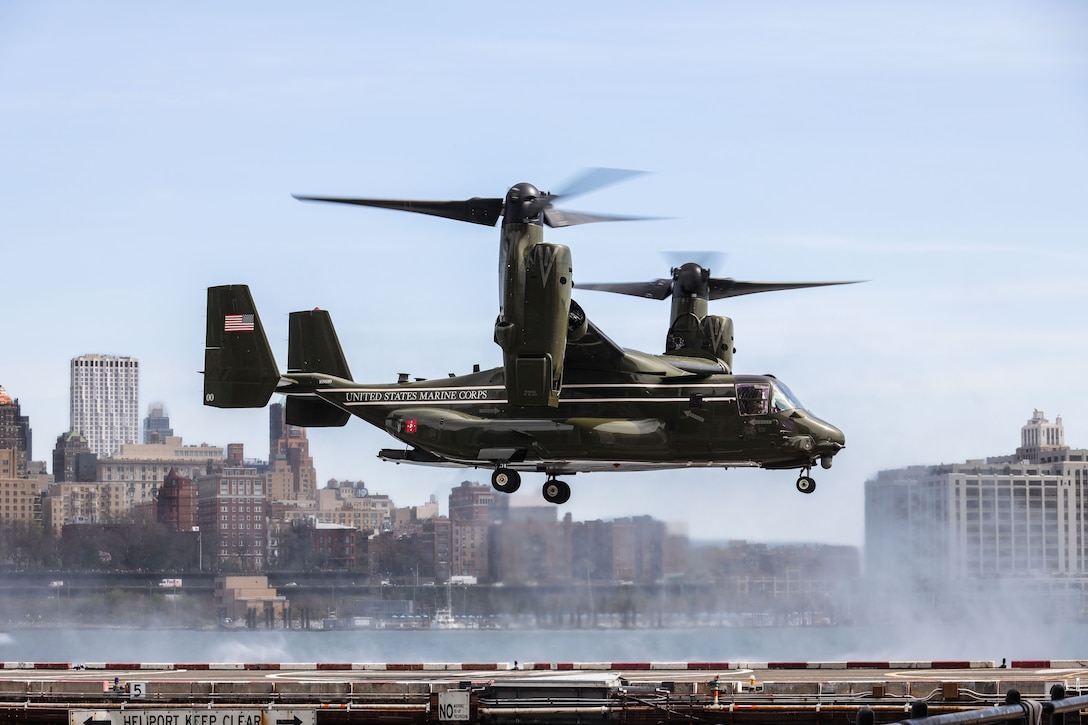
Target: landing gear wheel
[
  {"x": 555, "y": 491},
  {"x": 506, "y": 480},
  {"x": 805, "y": 484}
]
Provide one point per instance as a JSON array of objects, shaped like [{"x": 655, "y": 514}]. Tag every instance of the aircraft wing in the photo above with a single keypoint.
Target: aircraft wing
[
  {"x": 593, "y": 351},
  {"x": 596, "y": 351}
]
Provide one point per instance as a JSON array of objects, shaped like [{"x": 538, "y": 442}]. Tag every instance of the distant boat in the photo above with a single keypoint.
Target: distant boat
[
  {"x": 444, "y": 619},
  {"x": 443, "y": 616}
]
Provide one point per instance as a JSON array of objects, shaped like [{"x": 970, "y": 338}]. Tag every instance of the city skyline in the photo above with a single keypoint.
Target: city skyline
[
  {"x": 934, "y": 150},
  {"x": 938, "y": 534}
]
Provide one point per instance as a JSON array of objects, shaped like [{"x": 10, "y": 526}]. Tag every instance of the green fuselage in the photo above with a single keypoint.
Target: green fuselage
[{"x": 650, "y": 418}]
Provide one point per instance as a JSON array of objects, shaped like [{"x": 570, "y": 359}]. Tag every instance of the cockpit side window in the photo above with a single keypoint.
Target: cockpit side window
[{"x": 753, "y": 398}]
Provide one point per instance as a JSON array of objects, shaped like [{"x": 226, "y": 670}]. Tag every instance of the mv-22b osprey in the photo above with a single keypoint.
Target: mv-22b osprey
[{"x": 566, "y": 400}]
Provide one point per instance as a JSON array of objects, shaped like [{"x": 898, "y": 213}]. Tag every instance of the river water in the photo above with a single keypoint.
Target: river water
[{"x": 924, "y": 642}]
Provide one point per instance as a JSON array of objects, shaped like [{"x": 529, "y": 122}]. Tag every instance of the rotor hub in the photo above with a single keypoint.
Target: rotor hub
[
  {"x": 691, "y": 280},
  {"x": 523, "y": 203}
]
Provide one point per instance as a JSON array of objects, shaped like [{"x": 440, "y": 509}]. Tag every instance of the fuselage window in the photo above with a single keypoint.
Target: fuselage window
[{"x": 753, "y": 398}]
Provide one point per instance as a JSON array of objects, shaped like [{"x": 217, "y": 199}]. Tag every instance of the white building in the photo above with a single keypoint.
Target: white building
[
  {"x": 105, "y": 401},
  {"x": 1020, "y": 518}
]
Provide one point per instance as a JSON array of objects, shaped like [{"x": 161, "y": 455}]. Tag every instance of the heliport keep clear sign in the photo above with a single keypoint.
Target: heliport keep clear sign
[
  {"x": 453, "y": 705},
  {"x": 202, "y": 716}
]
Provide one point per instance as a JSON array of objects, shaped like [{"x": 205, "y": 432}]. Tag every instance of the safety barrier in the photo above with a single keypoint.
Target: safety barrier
[
  {"x": 1062, "y": 711},
  {"x": 561, "y": 666}
]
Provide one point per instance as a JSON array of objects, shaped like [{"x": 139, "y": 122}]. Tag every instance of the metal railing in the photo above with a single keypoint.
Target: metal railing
[{"x": 1015, "y": 710}]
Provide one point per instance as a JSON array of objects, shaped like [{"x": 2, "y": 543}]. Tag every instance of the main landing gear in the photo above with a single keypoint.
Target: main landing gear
[
  {"x": 805, "y": 482},
  {"x": 506, "y": 480},
  {"x": 555, "y": 491}
]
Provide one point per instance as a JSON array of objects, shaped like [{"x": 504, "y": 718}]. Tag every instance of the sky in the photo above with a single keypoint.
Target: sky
[{"x": 936, "y": 150}]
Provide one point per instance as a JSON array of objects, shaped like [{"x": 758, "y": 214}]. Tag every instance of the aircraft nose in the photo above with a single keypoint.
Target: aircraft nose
[{"x": 829, "y": 439}]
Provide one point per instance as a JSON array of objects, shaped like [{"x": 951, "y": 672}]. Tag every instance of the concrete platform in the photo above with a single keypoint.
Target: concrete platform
[{"x": 747, "y": 692}]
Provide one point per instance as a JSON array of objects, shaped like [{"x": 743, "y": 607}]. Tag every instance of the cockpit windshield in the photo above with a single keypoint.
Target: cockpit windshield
[
  {"x": 782, "y": 398},
  {"x": 763, "y": 398}
]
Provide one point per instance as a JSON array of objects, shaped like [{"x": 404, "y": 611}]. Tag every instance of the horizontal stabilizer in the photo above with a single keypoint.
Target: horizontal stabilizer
[{"x": 239, "y": 368}]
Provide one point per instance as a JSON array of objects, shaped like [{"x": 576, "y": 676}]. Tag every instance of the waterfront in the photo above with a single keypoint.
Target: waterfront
[{"x": 919, "y": 641}]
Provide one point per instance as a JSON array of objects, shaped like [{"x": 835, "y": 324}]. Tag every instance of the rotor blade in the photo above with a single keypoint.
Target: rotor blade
[
  {"x": 559, "y": 218},
  {"x": 722, "y": 288},
  {"x": 593, "y": 179},
  {"x": 475, "y": 210},
  {"x": 659, "y": 289}
]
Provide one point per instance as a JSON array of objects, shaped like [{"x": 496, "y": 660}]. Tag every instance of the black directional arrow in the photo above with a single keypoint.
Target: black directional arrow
[
  {"x": 92, "y": 721},
  {"x": 293, "y": 721}
]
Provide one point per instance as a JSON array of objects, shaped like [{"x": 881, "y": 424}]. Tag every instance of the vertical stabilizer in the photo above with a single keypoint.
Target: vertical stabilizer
[{"x": 239, "y": 368}]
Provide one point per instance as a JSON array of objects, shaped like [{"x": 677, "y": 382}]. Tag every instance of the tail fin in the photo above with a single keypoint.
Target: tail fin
[
  {"x": 239, "y": 368},
  {"x": 313, "y": 347}
]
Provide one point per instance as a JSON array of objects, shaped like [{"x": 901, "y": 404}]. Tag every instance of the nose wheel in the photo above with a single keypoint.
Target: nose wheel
[
  {"x": 506, "y": 480},
  {"x": 805, "y": 483},
  {"x": 555, "y": 491}
]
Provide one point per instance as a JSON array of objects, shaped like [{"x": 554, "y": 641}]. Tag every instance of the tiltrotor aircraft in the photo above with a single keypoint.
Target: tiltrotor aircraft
[{"x": 567, "y": 399}]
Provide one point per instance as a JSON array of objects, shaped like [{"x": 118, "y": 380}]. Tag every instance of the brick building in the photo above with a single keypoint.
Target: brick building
[
  {"x": 232, "y": 513},
  {"x": 175, "y": 506}
]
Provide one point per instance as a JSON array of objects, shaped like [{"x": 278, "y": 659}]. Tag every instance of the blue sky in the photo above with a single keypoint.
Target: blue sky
[{"x": 936, "y": 149}]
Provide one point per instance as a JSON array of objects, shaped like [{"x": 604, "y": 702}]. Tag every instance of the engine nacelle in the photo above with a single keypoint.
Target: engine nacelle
[{"x": 533, "y": 328}]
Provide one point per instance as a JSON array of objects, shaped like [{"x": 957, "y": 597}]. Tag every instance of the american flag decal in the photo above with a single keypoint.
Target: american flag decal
[{"x": 238, "y": 323}]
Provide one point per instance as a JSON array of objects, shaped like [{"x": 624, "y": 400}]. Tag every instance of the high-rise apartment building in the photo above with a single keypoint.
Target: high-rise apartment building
[
  {"x": 105, "y": 401},
  {"x": 14, "y": 432},
  {"x": 932, "y": 529}
]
